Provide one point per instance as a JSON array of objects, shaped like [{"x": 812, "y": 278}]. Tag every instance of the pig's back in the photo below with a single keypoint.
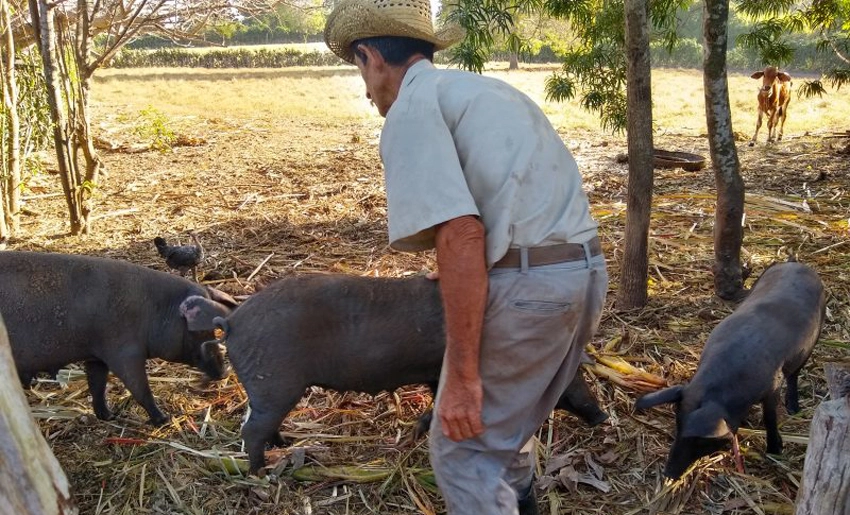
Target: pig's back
[
  {"x": 342, "y": 332},
  {"x": 775, "y": 328},
  {"x": 59, "y": 308}
]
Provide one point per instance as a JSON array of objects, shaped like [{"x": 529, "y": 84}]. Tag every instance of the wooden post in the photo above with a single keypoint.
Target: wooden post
[
  {"x": 31, "y": 480},
  {"x": 825, "y": 489}
]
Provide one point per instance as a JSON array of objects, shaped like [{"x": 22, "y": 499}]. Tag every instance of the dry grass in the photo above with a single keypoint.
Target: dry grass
[
  {"x": 337, "y": 93},
  {"x": 279, "y": 183}
]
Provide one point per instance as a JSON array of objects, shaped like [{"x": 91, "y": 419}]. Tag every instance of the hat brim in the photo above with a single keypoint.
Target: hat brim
[{"x": 354, "y": 19}]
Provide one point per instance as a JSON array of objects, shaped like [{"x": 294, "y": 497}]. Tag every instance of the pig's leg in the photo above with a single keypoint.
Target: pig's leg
[
  {"x": 96, "y": 374},
  {"x": 424, "y": 422},
  {"x": 578, "y": 400},
  {"x": 263, "y": 427},
  {"x": 26, "y": 380},
  {"x": 131, "y": 371},
  {"x": 422, "y": 425},
  {"x": 792, "y": 396},
  {"x": 771, "y": 426}
]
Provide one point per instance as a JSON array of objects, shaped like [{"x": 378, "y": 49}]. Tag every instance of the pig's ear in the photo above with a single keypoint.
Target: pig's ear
[
  {"x": 223, "y": 298},
  {"x": 673, "y": 394},
  {"x": 199, "y": 313},
  {"x": 708, "y": 421}
]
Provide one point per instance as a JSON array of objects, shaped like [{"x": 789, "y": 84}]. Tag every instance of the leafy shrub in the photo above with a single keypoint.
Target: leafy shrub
[
  {"x": 687, "y": 53},
  {"x": 224, "y": 58},
  {"x": 153, "y": 126},
  {"x": 36, "y": 130}
]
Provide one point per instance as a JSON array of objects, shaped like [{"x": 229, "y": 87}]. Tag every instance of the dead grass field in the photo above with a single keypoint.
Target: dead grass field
[
  {"x": 278, "y": 172},
  {"x": 336, "y": 93}
]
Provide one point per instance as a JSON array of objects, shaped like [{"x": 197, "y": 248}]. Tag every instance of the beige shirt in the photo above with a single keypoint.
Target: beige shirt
[{"x": 457, "y": 143}]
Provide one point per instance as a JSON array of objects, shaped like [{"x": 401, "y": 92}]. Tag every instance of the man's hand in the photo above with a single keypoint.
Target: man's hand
[{"x": 460, "y": 408}]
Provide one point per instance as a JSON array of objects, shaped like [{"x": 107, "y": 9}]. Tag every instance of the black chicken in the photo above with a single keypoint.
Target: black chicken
[{"x": 181, "y": 257}]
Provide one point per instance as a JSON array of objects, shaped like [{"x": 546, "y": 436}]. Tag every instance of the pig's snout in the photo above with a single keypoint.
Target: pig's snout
[
  {"x": 212, "y": 351},
  {"x": 686, "y": 451},
  {"x": 213, "y": 364}
]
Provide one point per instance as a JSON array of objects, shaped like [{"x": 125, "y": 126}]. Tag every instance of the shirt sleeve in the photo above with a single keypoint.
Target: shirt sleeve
[{"x": 424, "y": 179}]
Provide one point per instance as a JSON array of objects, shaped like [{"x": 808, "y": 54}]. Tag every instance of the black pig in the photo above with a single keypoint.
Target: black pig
[
  {"x": 111, "y": 314},
  {"x": 773, "y": 330},
  {"x": 345, "y": 333}
]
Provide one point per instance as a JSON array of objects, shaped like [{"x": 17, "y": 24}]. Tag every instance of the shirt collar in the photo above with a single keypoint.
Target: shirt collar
[{"x": 417, "y": 68}]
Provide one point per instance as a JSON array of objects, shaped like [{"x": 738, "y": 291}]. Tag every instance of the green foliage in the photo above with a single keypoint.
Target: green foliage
[
  {"x": 89, "y": 187},
  {"x": 594, "y": 65},
  {"x": 226, "y": 58},
  {"x": 153, "y": 126},
  {"x": 838, "y": 77},
  {"x": 34, "y": 111},
  {"x": 300, "y": 16},
  {"x": 34, "y": 114},
  {"x": 757, "y": 8},
  {"x": 227, "y": 30},
  {"x": 289, "y": 22},
  {"x": 685, "y": 53},
  {"x": 560, "y": 88},
  {"x": 778, "y": 22},
  {"x": 809, "y": 36},
  {"x": 811, "y": 88},
  {"x": 598, "y": 64},
  {"x": 484, "y": 22},
  {"x": 766, "y": 36}
]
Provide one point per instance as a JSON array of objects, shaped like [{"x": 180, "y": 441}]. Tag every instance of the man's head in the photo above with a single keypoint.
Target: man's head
[
  {"x": 383, "y": 38},
  {"x": 354, "y": 20}
]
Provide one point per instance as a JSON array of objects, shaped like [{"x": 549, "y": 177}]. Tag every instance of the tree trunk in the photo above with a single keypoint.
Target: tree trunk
[
  {"x": 728, "y": 230},
  {"x": 62, "y": 137},
  {"x": 632, "y": 291},
  {"x": 4, "y": 227},
  {"x": 10, "y": 191},
  {"x": 825, "y": 489},
  {"x": 513, "y": 63},
  {"x": 83, "y": 138},
  {"x": 31, "y": 480}
]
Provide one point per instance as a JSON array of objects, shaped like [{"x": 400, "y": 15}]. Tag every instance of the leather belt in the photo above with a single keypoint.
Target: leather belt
[{"x": 550, "y": 254}]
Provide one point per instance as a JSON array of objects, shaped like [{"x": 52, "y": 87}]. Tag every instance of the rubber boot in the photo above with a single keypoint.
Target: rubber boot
[{"x": 528, "y": 504}]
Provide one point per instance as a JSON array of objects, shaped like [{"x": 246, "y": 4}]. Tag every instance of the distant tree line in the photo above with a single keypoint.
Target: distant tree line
[
  {"x": 294, "y": 21},
  {"x": 685, "y": 53},
  {"x": 535, "y": 41}
]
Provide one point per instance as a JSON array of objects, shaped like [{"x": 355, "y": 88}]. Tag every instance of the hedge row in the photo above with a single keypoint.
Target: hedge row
[
  {"x": 686, "y": 54},
  {"x": 226, "y": 58}
]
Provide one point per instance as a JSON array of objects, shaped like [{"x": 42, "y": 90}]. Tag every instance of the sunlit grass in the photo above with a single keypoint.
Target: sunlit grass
[
  {"x": 332, "y": 92},
  {"x": 337, "y": 94}
]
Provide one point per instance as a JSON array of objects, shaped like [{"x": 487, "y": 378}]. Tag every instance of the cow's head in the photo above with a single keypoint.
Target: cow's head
[{"x": 770, "y": 77}]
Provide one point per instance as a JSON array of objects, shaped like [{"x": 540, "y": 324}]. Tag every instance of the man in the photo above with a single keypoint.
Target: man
[{"x": 474, "y": 168}]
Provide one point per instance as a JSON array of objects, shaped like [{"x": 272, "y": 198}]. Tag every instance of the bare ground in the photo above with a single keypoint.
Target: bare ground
[{"x": 276, "y": 198}]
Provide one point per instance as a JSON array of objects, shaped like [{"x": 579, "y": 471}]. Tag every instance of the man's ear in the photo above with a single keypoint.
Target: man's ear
[{"x": 372, "y": 55}]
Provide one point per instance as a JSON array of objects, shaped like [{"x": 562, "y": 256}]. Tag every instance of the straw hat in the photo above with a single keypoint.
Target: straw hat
[{"x": 359, "y": 19}]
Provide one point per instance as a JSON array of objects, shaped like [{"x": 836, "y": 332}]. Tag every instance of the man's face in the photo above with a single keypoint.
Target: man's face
[{"x": 376, "y": 76}]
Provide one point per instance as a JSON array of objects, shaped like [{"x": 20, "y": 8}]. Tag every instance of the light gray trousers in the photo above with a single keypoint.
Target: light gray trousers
[{"x": 537, "y": 323}]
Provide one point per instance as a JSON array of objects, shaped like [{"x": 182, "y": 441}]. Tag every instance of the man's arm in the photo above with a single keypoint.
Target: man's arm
[{"x": 463, "y": 282}]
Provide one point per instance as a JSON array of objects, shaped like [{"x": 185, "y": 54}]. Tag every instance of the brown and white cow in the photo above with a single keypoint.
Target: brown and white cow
[{"x": 774, "y": 96}]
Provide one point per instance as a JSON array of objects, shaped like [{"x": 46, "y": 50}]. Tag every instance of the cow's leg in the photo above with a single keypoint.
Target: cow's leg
[
  {"x": 758, "y": 126},
  {"x": 771, "y": 126},
  {"x": 783, "y": 112}
]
